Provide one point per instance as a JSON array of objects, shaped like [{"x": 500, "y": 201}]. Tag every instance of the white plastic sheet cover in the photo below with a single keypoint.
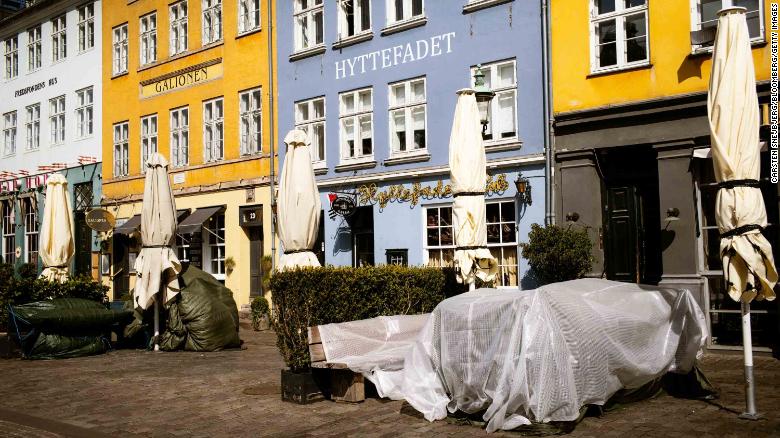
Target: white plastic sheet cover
[{"x": 540, "y": 355}]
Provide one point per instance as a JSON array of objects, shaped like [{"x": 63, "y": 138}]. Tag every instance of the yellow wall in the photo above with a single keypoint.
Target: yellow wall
[{"x": 672, "y": 71}]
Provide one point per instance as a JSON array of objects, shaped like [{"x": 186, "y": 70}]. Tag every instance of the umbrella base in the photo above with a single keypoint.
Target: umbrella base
[{"x": 749, "y": 416}]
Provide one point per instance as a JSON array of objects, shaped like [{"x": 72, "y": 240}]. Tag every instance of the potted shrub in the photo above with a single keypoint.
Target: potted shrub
[
  {"x": 261, "y": 320},
  {"x": 557, "y": 253}
]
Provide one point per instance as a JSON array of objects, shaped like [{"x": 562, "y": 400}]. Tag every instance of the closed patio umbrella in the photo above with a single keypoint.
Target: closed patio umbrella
[
  {"x": 468, "y": 176},
  {"x": 732, "y": 105},
  {"x": 157, "y": 265},
  {"x": 299, "y": 204},
  {"x": 56, "y": 244}
]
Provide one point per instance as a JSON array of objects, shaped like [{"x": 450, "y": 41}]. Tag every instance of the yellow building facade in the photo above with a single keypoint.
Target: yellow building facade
[
  {"x": 190, "y": 80},
  {"x": 632, "y": 163}
]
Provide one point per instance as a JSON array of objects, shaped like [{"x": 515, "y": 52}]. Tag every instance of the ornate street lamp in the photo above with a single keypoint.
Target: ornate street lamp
[
  {"x": 523, "y": 187},
  {"x": 484, "y": 95}
]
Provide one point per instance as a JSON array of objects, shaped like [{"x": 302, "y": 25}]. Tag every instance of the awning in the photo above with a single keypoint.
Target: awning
[
  {"x": 192, "y": 223},
  {"x": 180, "y": 214},
  {"x": 130, "y": 226}
]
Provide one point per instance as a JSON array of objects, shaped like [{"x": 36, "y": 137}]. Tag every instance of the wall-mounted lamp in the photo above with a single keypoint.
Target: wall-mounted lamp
[
  {"x": 484, "y": 95},
  {"x": 672, "y": 214},
  {"x": 572, "y": 216},
  {"x": 523, "y": 187}
]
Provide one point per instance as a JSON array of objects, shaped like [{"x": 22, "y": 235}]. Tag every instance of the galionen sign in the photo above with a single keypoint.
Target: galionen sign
[
  {"x": 100, "y": 220},
  {"x": 183, "y": 78}
]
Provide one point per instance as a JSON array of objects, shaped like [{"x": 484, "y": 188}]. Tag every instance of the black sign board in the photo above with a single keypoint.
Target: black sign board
[
  {"x": 342, "y": 205},
  {"x": 251, "y": 216}
]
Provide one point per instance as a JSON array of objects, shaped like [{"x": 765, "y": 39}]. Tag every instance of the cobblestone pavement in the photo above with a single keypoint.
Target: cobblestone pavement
[{"x": 142, "y": 393}]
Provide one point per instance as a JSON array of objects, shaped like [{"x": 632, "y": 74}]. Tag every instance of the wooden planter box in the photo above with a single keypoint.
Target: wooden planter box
[{"x": 302, "y": 388}]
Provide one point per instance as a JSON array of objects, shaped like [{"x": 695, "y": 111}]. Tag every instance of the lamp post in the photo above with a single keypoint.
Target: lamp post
[{"x": 484, "y": 96}]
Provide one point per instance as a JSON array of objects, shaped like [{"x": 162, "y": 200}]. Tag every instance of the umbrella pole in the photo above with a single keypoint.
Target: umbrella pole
[
  {"x": 747, "y": 348},
  {"x": 156, "y": 323},
  {"x": 472, "y": 286}
]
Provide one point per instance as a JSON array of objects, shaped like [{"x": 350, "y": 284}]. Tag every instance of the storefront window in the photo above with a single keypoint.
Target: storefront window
[
  {"x": 502, "y": 239},
  {"x": 31, "y": 229},
  {"x": 214, "y": 237},
  {"x": 9, "y": 229},
  {"x": 439, "y": 242},
  {"x": 183, "y": 248}
]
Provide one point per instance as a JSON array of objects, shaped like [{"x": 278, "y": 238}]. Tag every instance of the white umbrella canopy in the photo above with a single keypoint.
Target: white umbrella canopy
[
  {"x": 298, "y": 204},
  {"x": 56, "y": 238},
  {"x": 157, "y": 263},
  {"x": 467, "y": 175},
  {"x": 733, "y": 111}
]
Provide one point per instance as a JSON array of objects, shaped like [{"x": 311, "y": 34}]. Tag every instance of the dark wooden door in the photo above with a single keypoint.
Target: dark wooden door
[
  {"x": 121, "y": 266},
  {"x": 83, "y": 237},
  {"x": 256, "y": 261},
  {"x": 362, "y": 224},
  {"x": 623, "y": 224}
]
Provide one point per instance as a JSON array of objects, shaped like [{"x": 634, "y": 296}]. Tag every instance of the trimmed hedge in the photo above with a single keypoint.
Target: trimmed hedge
[
  {"x": 306, "y": 297},
  {"x": 557, "y": 253}
]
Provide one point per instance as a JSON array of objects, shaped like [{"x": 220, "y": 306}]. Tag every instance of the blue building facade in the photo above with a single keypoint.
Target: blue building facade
[{"x": 374, "y": 82}]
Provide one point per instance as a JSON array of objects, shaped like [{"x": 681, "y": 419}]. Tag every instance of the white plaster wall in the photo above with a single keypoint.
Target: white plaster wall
[{"x": 76, "y": 71}]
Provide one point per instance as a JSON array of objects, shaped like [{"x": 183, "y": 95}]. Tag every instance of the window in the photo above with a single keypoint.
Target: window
[
  {"x": 397, "y": 257},
  {"x": 618, "y": 34},
  {"x": 83, "y": 194},
  {"x": 251, "y": 122},
  {"x": 148, "y": 139},
  {"x": 502, "y": 239},
  {"x": 57, "y": 119},
  {"x": 439, "y": 241},
  {"x": 59, "y": 46},
  {"x": 183, "y": 247},
  {"x": 310, "y": 118},
  {"x": 86, "y": 27},
  {"x": 9, "y": 233},
  {"x": 354, "y": 17},
  {"x": 34, "y": 57},
  {"x": 9, "y": 133},
  {"x": 501, "y": 78},
  {"x": 407, "y": 116},
  {"x": 120, "y": 149},
  {"x": 356, "y": 122},
  {"x": 704, "y": 15},
  {"x": 84, "y": 112},
  {"x": 178, "y": 16},
  {"x": 148, "y": 31},
  {"x": 402, "y": 10},
  {"x": 213, "y": 130},
  {"x": 11, "y": 57},
  {"x": 120, "y": 49},
  {"x": 212, "y": 21},
  {"x": 214, "y": 237},
  {"x": 33, "y": 126},
  {"x": 31, "y": 229},
  {"x": 180, "y": 136},
  {"x": 308, "y": 24},
  {"x": 248, "y": 15}
]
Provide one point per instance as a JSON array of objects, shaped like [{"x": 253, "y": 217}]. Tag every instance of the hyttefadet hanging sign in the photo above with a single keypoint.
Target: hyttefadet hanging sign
[
  {"x": 342, "y": 204},
  {"x": 370, "y": 194}
]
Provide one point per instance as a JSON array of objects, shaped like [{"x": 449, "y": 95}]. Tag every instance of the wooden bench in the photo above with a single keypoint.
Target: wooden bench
[{"x": 346, "y": 385}]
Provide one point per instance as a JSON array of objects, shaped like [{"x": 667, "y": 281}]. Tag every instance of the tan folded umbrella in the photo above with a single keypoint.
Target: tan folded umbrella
[
  {"x": 157, "y": 264},
  {"x": 732, "y": 105},
  {"x": 468, "y": 176},
  {"x": 56, "y": 235},
  {"x": 299, "y": 204}
]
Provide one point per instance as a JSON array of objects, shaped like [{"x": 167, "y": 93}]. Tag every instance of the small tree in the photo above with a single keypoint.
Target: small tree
[{"x": 557, "y": 253}]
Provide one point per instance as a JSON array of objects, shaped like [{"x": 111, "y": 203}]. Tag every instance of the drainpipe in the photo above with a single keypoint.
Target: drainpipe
[
  {"x": 549, "y": 213},
  {"x": 273, "y": 133}
]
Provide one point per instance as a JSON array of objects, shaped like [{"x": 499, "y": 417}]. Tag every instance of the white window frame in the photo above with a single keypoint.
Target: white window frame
[
  {"x": 119, "y": 54},
  {"x": 408, "y": 107},
  {"x": 491, "y": 69},
  {"x": 86, "y": 27},
  {"x": 85, "y": 114},
  {"x": 57, "y": 120},
  {"x": 354, "y": 116},
  {"x": 213, "y": 130},
  {"x": 696, "y": 24},
  {"x": 211, "y": 21},
  {"x": 59, "y": 44},
  {"x": 149, "y": 144},
  {"x": 9, "y": 132},
  {"x": 359, "y": 28},
  {"x": 307, "y": 14},
  {"x": 9, "y": 231},
  {"x": 11, "y": 46},
  {"x": 250, "y": 135},
  {"x": 439, "y": 248},
  {"x": 248, "y": 15},
  {"x": 177, "y": 14},
  {"x": 218, "y": 234},
  {"x": 121, "y": 135},
  {"x": 619, "y": 16},
  {"x": 309, "y": 124},
  {"x": 147, "y": 35},
  {"x": 407, "y": 11},
  {"x": 33, "y": 126},
  {"x": 34, "y": 50},
  {"x": 31, "y": 229},
  {"x": 501, "y": 245},
  {"x": 180, "y": 136}
]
